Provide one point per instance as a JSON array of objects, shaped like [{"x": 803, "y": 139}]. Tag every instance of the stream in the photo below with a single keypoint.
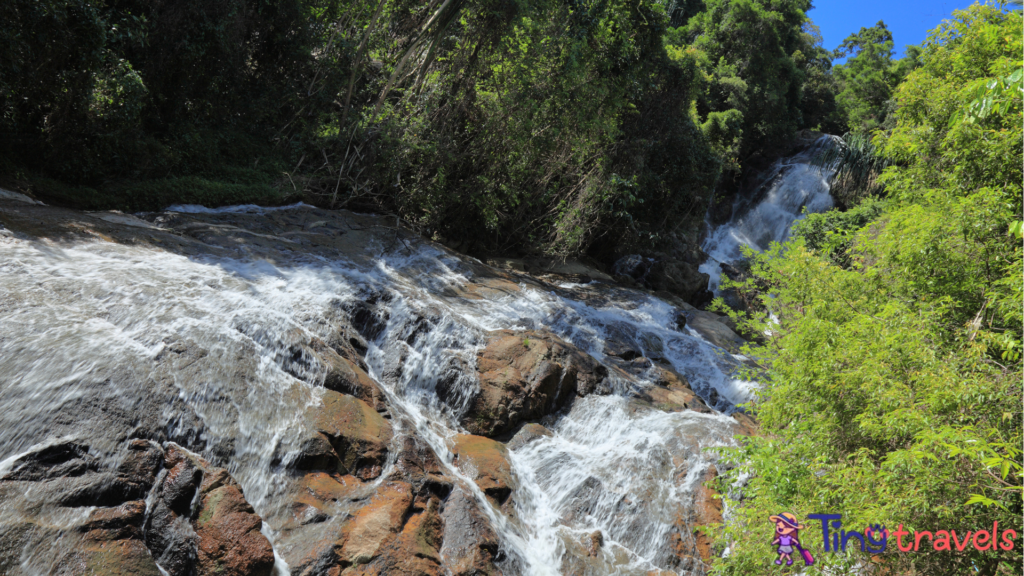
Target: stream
[{"x": 192, "y": 327}]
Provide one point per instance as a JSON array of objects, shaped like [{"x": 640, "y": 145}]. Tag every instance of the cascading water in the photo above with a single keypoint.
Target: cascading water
[
  {"x": 203, "y": 342},
  {"x": 793, "y": 186}
]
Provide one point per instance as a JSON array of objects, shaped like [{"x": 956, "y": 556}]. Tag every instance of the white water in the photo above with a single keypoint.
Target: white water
[
  {"x": 100, "y": 320},
  {"x": 793, "y": 187}
]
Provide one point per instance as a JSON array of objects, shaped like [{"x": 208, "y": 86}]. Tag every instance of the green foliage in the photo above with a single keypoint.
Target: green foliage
[
  {"x": 753, "y": 55},
  {"x": 893, "y": 366},
  {"x": 867, "y": 79},
  {"x": 854, "y": 164},
  {"x": 830, "y": 234}
]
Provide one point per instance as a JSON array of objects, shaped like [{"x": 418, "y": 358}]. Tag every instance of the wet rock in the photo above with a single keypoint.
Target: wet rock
[
  {"x": 318, "y": 492},
  {"x": 368, "y": 313},
  {"x": 680, "y": 278},
  {"x": 672, "y": 392},
  {"x": 415, "y": 551},
  {"x": 420, "y": 467},
  {"x": 470, "y": 546},
  {"x": 60, "y": 460},
  {"x": 358, "y": 434},
  {"x": 594, "y": 542},
  {"x": 316, "y": 453},
  {"x": 382, "y": 518},
  {"x": 526, "y": 375},
  {"x": 169, "y": 533},
  {"x": 485, "y": 461},
  {"x": 230, "y": 542},
  {"x": 118, "y": 523},
  {"x": 582, "y": 501},
  {"x": 528, "y": 434},
  {"x": 347, "y": 377},
  {"x": 708, "y": 508},
  {"x": 716, "y": 332},
  {"x": 201, "y": 522},
  {"x": 115, "y": 558}
]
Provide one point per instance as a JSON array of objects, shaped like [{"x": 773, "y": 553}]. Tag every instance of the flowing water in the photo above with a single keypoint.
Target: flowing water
[
  {"x": 201, "y": 344},
  {"x": 95, "y": 326},
  {"x": 794, "y": 187}
]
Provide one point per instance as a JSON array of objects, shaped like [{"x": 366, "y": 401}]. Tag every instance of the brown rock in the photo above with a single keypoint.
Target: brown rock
[
  {"x": 223, "y": 538},
  {"x": 672, "y": 393},
  {"x": 414, "y": 551},
  {"x": 718, "y": 333},
  {"x": 747, "y": 425},
  {"x": 528, "y": 434},
  {"x": 230, "y": 542},
  {"x": 115, "y": 558},
  {"x": 120, "y": 523},
  {"x": 486, "y": 462},
  {"x": 708, "y": 509},
  {"x": 526, "y": 375},
  {"x": 470, "y": 546},
  {"x": 420, "y": 467},
  {"x": 358, "y": 434},
  {"x": 381, "y": 519},
  {"x": 348, "y": 377},
  {"x": 594, "y": 542}
]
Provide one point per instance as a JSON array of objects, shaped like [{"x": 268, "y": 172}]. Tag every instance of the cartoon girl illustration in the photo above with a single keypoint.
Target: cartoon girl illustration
[{"x": 787, "y": 536}]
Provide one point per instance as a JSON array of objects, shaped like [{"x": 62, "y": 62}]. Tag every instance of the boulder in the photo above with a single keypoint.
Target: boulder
[
  {"x": 528, "y": 434},
  {"x": 221, "y": 537},
  {"x": 230, "y": 541},
  {"x": 470, "y": 546},
  {"x": 356, "y": 432},
  {"x": 527, "y": 375},
  {"x": 380, "y": 519},
  {"x": 485, "y": 461},
  {"x": 716, "y": 332}
]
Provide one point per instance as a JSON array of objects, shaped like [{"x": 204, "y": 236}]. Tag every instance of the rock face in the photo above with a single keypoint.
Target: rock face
[
  {"x": 127, "y": 472},
  {"x": 527, "y": 375},
  {"x": 200, "y": 522},
  {"x": 471, "y": 547},
  {"x": 355, "y": 432},
  {"x": 485, "y": 461},
  {"x": 680, "y": 278}
]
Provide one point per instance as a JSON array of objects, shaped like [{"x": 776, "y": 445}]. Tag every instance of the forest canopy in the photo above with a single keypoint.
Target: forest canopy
[{"x": 555, "y": 125}]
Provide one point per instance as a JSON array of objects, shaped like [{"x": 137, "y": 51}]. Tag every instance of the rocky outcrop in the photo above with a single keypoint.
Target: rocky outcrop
[
  {"x": 355, "y": 485},
  {"x": 350, "y": 437},
  {"x": 201, "y": 522},
  {"x": 527, "y": 375},
  {"x": 470, "y": 547},
  {"x": 486, "y": 462}
]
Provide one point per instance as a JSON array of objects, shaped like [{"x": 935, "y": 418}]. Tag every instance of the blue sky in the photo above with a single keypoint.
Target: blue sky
[{"x": 908, "y": 20}]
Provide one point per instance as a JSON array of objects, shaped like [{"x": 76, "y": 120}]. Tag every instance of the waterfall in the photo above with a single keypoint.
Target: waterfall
[
  {"x": 202, "y": 341},
  {"x": 794, "y": 186}
]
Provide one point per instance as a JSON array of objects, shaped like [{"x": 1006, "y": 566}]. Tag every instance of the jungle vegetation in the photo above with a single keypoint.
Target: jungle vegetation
[
  {"x": 892, "y": 354},
  {"x": 892, "y": 357},
  {"x": 557, "y": 126}
]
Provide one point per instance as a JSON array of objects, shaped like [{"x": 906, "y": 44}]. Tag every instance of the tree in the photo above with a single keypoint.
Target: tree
[
  {"x": 893, "y": 368},
  {"x": 869, "y": 76}
]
